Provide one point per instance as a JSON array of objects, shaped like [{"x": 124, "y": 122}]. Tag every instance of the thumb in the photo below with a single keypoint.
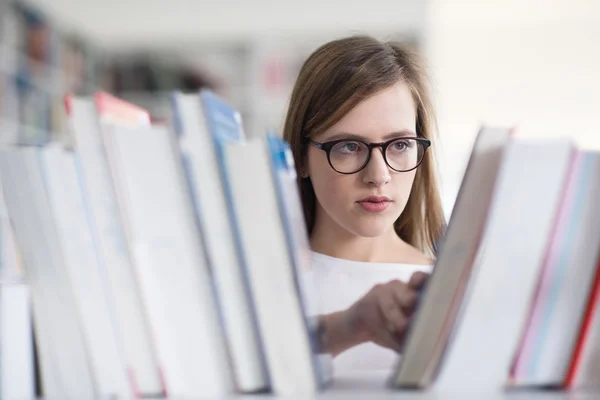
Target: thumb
[{"x": 418, "y": 280}]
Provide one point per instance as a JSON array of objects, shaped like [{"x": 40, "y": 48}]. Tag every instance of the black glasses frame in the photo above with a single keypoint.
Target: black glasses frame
[{"x": 327, "y": 146}]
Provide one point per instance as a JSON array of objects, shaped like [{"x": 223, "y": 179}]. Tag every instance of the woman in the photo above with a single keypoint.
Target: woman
[{"x": 360, "y": 121}]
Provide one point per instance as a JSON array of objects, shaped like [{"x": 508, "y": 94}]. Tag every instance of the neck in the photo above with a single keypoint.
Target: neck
[{"x": 330, "y": 239}]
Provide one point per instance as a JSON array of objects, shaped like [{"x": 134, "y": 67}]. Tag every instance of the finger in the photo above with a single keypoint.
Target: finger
[
  {"x": 418, "y": 280},
  {"x": 391, "y": 336},
  {"x": 405, "y": 297},
  {"x": 407, "y": 300},
  {"x": 394, "y": 318},
  {"x": 389, "y": 340}
]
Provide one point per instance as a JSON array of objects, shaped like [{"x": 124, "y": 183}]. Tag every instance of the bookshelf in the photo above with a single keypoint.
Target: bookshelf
[
  {"x": 273, "y": 98},
  {"x": 373, "y": 387},
  {"x": 39, "y": 62},
  {"x": 255, "y": 75}
]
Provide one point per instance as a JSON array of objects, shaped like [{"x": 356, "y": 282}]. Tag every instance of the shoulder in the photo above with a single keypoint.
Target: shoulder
[
  {"x": 420, "y": 258},
  {"x": 408, "y": 254}
]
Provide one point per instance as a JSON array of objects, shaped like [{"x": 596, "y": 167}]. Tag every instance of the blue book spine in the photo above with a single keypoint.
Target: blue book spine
[
  {"x": 225, "y": 126},
  {"x": 292, "y": 217}
]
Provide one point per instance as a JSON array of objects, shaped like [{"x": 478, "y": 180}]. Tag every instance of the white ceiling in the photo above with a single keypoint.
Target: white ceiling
[
  {"x": 123, "y": 24},
  {"x": 128, "y": 23}
]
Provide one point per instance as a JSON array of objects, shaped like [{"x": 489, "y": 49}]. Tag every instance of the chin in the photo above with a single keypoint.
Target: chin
[
  {"x": 371, "y": 225},
  {"x": 370, "y": 229}
]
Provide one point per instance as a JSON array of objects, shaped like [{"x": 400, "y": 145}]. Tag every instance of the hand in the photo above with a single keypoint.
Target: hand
[{"x": 380, "y": 316}]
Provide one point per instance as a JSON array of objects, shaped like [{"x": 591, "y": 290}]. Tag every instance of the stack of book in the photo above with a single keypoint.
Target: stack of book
[
  {"x": 513, "y": 300},
  {"x": 173, "y": 260},
  {"x": 163, "y": 260}
]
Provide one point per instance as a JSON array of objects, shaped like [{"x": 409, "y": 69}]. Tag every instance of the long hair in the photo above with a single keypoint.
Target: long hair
[{"x": 334, "y": 79}]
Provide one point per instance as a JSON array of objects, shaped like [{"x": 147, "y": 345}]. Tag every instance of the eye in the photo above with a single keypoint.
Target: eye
[
  {"x": 347, "y": 147},
  {"x": 350, "y": 147},
  {"x": 401, "y": 145}
]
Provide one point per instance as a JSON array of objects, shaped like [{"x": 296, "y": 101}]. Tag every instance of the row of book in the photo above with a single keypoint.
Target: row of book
[
  {"x": 172, "y": 260},
  {"x": 513, "y": 300},
  {"x": 163, "y": 260}
]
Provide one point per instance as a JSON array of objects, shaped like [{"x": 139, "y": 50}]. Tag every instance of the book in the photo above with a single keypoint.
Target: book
[
  {"x": 565, "y": 282},
  {"x": 583, "y": 366},
  {"x": 292, "y": 216},
  {"x": 204, "y": 123},
  {"x": 109, "y": 230},
  {"x": 64, "y": 359},
  {"x": 171, "y": 263},
  {"x": 88, "y": 278},
  {"x": 437, "y": 314},
  {"x": 282, "y": 323},
  {"x": 529, "y": 188},
  {"x": 17, "y": 361}
]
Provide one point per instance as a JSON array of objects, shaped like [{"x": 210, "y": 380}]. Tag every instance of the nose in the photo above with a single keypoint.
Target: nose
[{"x": 377, "y": 172}]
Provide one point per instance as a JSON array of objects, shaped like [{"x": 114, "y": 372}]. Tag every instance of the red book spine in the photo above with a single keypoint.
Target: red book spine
[{"x": 590, "y": 312}]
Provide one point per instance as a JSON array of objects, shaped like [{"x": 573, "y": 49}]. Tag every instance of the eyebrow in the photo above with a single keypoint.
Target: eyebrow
[{"x": 353, "y": 136}]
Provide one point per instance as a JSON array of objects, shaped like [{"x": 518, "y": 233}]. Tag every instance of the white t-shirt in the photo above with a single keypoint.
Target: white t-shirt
[{"x": 339, "y": 283}]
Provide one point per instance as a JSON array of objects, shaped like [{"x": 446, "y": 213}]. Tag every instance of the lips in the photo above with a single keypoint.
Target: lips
[{"x": 375, "y": 204}]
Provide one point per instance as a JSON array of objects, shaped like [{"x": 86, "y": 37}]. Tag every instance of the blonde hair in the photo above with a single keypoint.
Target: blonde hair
[{"x": 334, "y": 79}]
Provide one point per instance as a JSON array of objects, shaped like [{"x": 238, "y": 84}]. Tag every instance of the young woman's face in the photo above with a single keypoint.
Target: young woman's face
[{"x": 368, "y": 202}]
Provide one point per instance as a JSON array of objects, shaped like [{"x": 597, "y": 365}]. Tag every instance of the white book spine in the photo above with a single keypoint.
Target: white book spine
[
  {"x": 522, "y": 213},
  {"x": 87, "y": 276},
  {"x": 109, "y": 233},
  {"x": 174, "y": 277},
  {"x": 236, "y": 306},
  {"x": 17, "y": 369},
  {"x": 280, "y": 313},
  {"x": 65, "y": 365},
  {"x": 566, "y": 281}
]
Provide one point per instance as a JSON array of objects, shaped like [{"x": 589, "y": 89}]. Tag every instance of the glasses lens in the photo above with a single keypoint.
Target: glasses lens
[
  {"x": 404, "y": 154},
  {"x": 348, "y": 156}
]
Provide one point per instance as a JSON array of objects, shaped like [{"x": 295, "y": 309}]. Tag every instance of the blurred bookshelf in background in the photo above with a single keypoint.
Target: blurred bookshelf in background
[
  {"x": 39, "y": 63},
  {"x": 41, "y": 60}
]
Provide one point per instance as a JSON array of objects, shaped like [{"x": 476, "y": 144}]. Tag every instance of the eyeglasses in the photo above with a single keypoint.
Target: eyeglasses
[{"x": 349, "y": 156}]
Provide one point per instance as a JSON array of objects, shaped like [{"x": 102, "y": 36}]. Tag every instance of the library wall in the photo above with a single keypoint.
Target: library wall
[
  {"x": 493, "y": 62},
  {"x": 529, "y": 63}
]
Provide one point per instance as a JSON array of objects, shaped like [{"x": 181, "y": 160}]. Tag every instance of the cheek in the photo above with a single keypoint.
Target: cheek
[
  {"x": 403, "y": 184},
  {"x": 330, "y": 187}
]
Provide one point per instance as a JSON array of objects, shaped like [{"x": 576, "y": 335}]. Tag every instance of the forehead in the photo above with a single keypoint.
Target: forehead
[{"x": 391, "y": 110}]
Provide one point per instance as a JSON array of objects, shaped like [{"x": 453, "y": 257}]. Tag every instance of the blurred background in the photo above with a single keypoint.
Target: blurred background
[{"x": 531, "y": 63}]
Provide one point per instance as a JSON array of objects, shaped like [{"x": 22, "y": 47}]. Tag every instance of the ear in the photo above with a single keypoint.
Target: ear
[{"x": 303, "y": 173}]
